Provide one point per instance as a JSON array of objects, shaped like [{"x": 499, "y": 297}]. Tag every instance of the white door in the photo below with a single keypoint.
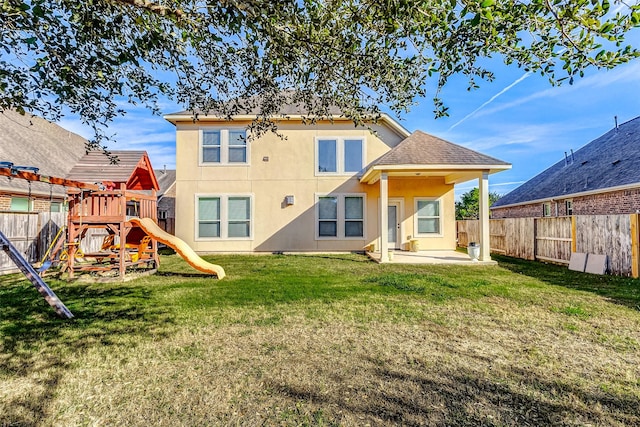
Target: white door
[{"x": 394, "y": 226}]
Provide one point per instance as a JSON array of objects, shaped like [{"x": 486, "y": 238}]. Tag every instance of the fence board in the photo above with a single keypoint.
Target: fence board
[
  {"x": 468, "y": 231},
  {"x": 520, "y": 237},
  {"x": 553, "y": 239}
]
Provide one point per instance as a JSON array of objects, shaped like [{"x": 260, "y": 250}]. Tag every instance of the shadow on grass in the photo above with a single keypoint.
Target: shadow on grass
[
  {"x": 38, "y": 347},
  {"x": 620, "y": 290},
  {"x": 463, "y": 397}
]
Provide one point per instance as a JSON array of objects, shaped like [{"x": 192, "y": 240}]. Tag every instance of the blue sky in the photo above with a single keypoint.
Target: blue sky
[{"x": 529, "y": 124}]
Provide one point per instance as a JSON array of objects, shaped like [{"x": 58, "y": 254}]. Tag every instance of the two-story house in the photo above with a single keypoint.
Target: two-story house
[{"x": 324, "y": 187}]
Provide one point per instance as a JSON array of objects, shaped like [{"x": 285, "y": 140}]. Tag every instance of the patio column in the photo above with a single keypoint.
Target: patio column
[
  {"x": 485, "y": 238},
  {"x": 384, "y": 217}
]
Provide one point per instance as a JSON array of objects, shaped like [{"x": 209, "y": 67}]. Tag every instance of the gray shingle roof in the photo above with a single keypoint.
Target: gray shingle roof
[
  {"x": 424, "y": 149},
  {"x": 166, "y": 178},
  {"x": 95, "y": 166},
  {"x": 611, "y": 160},
  {"x": 32, "y": 141}
]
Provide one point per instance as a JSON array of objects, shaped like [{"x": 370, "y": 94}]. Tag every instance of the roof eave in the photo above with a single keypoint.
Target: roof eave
[
  {"x": 371, "y": 175},
  {"x": 176, "y": 118},
  {"x": 571, "y": 195}
]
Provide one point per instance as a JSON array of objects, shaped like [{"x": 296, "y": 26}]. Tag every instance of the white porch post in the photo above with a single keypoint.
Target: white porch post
[
  {"x": 485, "y": 243},
  {"x": 384, "y": 217}
]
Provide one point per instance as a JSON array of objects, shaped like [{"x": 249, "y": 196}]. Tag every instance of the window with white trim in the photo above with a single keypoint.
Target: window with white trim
[
  {"x": 428, "y": 220},
  {"x": 223, "y": 146},
  {"x": 546, "y": 209},
  {"x": 340, "y": 216},
  {"x": 224, "y": 217},
  {"x": 339, "y": 156}
]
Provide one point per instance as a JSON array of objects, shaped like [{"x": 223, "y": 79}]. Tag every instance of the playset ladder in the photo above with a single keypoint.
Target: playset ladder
[{"x": 31, "y": 274}]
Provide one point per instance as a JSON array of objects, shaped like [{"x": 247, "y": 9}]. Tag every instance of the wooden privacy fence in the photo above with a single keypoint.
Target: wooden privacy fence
[
  {"x": 554, "y": 239},
  {"x": 31, "y": 233}
]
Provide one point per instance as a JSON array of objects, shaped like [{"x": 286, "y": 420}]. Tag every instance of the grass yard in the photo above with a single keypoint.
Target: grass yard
[{"x": 330, "y": 340}]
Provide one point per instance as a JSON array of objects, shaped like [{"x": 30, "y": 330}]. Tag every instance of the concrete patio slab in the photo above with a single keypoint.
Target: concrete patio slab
[{"x": 428, "y": 257}]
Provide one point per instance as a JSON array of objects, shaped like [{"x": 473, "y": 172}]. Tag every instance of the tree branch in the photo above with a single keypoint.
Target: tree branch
[{"x": 154, "y": 8}]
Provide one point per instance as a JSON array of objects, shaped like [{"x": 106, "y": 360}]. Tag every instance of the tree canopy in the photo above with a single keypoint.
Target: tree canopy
[
  {"x": 469, "y": 205},
  {"x": 228, "y": 56}
]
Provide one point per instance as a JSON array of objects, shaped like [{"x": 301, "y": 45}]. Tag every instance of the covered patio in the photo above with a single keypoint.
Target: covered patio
[{"x": 424, "y": 165}]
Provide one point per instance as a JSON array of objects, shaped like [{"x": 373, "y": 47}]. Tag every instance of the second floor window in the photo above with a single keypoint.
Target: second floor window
[
  {"x": 223, "y": 146},
  {"x": 340, "y": 156}
]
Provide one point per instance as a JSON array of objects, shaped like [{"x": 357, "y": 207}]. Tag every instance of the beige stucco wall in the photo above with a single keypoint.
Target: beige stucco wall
[{"x": 290, "y": 170}]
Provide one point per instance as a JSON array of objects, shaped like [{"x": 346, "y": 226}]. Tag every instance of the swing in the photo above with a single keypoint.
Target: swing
[
  {"x": 79, "y": 253},
  {"x": 28, "y": 244},
  {"x": 46, "y": 263}
]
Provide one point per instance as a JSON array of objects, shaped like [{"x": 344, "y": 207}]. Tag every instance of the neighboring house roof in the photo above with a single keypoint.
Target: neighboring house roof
[
  {"x": 606, "y": 163},
  {"x": 32, "y": 141},
  {"x": 166, "y": 180},
  {"x": 132, "y": 168},
  {"x": 424, "y": 154}
]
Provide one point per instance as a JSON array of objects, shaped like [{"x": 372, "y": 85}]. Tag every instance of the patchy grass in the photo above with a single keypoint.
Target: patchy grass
[{"x": 324, "y": 341}]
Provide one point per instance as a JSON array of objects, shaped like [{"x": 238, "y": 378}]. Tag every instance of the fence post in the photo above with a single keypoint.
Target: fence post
[
  {"x": 574, "y": 241},
  {"x": 635, "y": 249}
]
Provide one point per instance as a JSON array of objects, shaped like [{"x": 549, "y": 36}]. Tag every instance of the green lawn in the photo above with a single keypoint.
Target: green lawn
[{"x": 325, "y": 340}]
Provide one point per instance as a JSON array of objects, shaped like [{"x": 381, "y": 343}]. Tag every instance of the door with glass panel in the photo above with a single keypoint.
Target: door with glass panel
[{"x": 393, "y": 225}]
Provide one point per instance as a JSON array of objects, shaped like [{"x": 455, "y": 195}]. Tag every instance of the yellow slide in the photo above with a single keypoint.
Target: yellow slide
[{"x": 151, "y": 228}]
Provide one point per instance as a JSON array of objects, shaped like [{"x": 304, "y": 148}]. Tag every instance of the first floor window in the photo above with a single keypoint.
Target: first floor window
[
  {"x": 239, "y": 224},
  {"x": 353, "y": 216},
  {"x": 340, "y": 216},
  {"x": 209, "y": 217},
  {"x": 328, "y": 217},
  {"x": 546, "y": 209},
  {"x": 20, "y": 204},
  {"x": 428, "y": 217},
  {"x": 569, "y": 207},
  {"x": 224, "y": 217}
]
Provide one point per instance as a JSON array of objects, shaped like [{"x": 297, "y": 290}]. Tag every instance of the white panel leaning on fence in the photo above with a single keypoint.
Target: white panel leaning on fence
[{"x": 588, "y": 263}]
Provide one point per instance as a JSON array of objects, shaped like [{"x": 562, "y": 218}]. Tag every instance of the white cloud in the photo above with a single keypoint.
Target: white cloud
[{"x": 629, "y": 73}]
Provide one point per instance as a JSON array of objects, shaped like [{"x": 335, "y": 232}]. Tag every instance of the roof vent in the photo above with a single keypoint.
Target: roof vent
[
  {"x": 615, "y": 119},
  {"x": 584, "y": 163},
  {"x": 615, "y": 162}
]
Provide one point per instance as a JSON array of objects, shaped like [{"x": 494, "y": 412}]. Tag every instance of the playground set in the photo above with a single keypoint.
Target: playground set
[{"x": 131, "y": 241}]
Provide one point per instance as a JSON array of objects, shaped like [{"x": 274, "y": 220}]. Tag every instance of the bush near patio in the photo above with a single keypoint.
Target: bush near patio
[{"x": 325, "y": 340}]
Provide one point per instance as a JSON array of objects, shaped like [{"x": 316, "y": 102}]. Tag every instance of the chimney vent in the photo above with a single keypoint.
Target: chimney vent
[{"x": 615, "y": 119}]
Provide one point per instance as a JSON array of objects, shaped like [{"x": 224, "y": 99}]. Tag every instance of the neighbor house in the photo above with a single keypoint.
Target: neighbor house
[
  {"x": 330, "y": 186},
  {"x": 167, "y": 199},
  {"x": 27, "y": 140},
  {"x": 601, "y": 178}
]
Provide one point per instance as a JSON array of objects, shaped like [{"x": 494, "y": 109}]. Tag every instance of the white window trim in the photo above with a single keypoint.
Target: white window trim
[
  {"x": 224, "y": 216},
  {"x": 415, "y": 217},
  {"x": 224, "y": 146},
  {"x": 339, "y": 155},
  {"x": 341, "y": 216},
  {"x": 544, "y": 210}
]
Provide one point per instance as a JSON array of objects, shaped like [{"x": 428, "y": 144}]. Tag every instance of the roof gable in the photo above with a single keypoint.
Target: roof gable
[
  {"x": 609, "y": 161},
  {"x": 133, "y": 168}
]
